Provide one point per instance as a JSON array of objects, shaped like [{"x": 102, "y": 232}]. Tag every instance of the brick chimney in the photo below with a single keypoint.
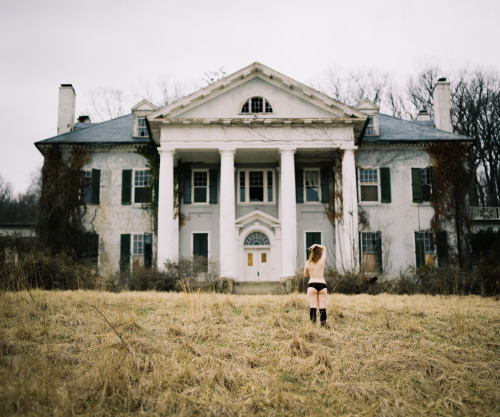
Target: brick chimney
[
  {"x": 442, "y": 105},
  {"x": 66, "y": 113}
]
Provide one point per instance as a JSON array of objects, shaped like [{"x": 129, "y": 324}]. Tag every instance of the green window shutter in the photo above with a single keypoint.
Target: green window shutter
[
  {"x": 299, "y": 185},
  {"x": 95, "y": 194},
  {"x": 416, "y": 185},
  {"x": 187, "y": 186},
  {"x": 419, "y": 250},
  {"x": 124, "y": 252},
  {"x": 385, "y": 185},
  {"x": 200, "y": 244},
  {"x": 442, "y": 247},
  {"x": 325, "y": 186},
  {"x": 127, "y": 186},
  {"x": 379, "y": 251},
  {"x": 156, "y": 191},
  {"x": 213, "y": 186}
]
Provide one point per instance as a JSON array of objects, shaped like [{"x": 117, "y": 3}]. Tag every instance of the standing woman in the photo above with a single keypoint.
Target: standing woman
[{"x": 316, "y": 288}]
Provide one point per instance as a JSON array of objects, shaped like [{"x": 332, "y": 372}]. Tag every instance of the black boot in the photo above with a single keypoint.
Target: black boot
[
  {"x": 312, "y": 314},
  {"x": 322, "y": 316}
]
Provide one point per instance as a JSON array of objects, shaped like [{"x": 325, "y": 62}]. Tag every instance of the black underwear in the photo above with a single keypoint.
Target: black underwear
[{"x": 318, "y": 286}]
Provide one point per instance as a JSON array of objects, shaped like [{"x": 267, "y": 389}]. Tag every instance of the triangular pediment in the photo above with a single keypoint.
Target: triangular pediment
[
  {"x": 225, "y": 98},
  {"x": 144, "y": 105},
  {"x": 257, "y": 215}
]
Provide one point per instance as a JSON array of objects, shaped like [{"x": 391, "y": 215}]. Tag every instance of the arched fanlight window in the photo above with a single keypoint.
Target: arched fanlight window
[
  {"x": 256, "y": 238},
  {"x": 257, "y": 105}
]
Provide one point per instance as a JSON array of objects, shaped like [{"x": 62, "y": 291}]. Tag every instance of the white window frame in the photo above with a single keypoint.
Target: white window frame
[
  {"x": 379, "y": 188},
  {"x": 134, "y": 171},
  {"x": 305, "y": 185},
  {"x": 363, "y": 252},
  {"x": 138, "y": 128},
  {"x": 265, "y": 102},
  {"x": 133, "y": 242},
  {"x": 207, "y": 186},
  {"x": 267, "y": 172}
]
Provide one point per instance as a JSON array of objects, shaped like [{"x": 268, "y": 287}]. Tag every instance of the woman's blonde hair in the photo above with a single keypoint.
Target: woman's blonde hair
[{"x": 315, "y": 254}]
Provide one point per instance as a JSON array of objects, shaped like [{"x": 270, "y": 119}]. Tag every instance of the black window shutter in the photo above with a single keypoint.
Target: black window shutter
[
  {"x": 299, "y": 185},
  {"x": 325, "y": 186},
  {"x": 416, "y": 185},
  {"x": 95, "y": 194},
  {"x": 385, "y": 185},
  {"x": 124, "y": 252},
  {"x": 442, "y": 247},
  {"x": 419, "y": 250},
  {"x": 127, "y": 186},
  {"x": 433, "y": 184},
  {"x": 379, "y": 251},
  {"x": 213, "y": 186},
  {"x": 187, "y": 186}
]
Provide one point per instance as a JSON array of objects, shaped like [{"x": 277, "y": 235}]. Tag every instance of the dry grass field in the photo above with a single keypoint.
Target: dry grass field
[{"x": 204, "y": 354}]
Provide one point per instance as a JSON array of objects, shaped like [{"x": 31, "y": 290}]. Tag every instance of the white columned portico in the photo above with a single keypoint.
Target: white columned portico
[
  {"x": 168, "y": 224},
  {"x": 347, "y": 230},
  {"x": 228, "y": 242},
  {"x": 288, "y": 214}
]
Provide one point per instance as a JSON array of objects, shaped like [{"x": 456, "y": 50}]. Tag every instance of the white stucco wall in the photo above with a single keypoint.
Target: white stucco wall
[
  {"x": 400, "y": 219},
  {"x": 110, "y": 218}
]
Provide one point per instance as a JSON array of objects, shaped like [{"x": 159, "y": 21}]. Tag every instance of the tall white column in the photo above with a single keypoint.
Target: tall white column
[
  {"x": 288, "y": 214},
  {"x": 347, "y": 230},
  {"x": 168, "y": 224},
  {"x": 227, "y": 244}
]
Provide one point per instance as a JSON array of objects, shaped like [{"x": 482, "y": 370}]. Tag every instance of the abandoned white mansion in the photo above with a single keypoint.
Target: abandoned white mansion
[{"x": 259, "y": 166}]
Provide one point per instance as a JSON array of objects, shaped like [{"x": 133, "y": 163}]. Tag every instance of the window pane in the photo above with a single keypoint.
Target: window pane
[
  {"x": 269, "y": 186},
  {"x": 86, "y": 187},
  {"x": 200, "y": 179},
  {"x": 263, "y": 258},
  {"x": 369, "y": 193},
  {"x": 269, "y": 109},
  {"x": 200, "y": 195},
  {"x": 242, "y": 186},
  {"x": 245, "y": 108},
  {"x": 256, "y": 189},
  {"x": 367, "y": 176},
  {"x": 312, "y": 185},
  {"x": 257, "y": 105},
  {"x": 250, "y": 259},
  {"x": 138, "y": 245}
]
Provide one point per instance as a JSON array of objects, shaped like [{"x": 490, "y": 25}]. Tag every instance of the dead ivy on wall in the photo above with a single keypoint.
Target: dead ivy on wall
[
  {"x": 335, "y": 206},
  {"x": 451, "y": 185},
  {"x": 61, "y": 209}
]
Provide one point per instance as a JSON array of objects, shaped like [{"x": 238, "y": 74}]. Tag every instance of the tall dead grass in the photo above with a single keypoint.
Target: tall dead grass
[{"x": 184, "y": 354}]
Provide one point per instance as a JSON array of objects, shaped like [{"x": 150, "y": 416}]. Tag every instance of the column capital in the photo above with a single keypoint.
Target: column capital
[
  {"x": 166, "y": 151},
  {"x": 227, "y": 151},
  {"x": 284, "y": 151},
  {"x": 348, "y": 147}
]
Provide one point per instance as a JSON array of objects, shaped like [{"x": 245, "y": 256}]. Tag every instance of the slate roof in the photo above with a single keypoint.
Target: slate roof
[
  {"x": 113, "y": 132},
  {"x": 119, "y": 132},
  {"x": 394, "y": 130}
]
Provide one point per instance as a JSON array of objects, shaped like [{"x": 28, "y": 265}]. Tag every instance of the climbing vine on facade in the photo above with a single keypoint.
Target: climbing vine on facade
[
  {"x": 452, "y": 182},
  {"x": 61, "y": 208}
]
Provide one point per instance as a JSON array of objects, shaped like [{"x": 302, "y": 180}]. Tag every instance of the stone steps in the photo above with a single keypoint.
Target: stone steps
[{"x": 258, "y": 287}]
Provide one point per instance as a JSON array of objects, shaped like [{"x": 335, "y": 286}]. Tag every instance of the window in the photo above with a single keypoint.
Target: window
[
  {"x": 200, "y": 186},
  {"x": 257, "y": 105},
  {"x": 91, "y": 186},
  {"x": 256, "y": 239},
  {"x": 142, "y": 130},
  {"x": 311, "y": 239},
  {"x": 370, "y": 128},
  {"x": 256, "y": 186},
  {"x": 200, "y": 252},
  {"x": 424, "y": 248},
  {"x": 370, "y": 181},
  {"x": 312, "y": 185},
  {"x": 138, "y": 248},
  {"x": 371, "y": 251},
  {"x": 86, "y": 186},
  {"x": 142, "y": 186},
  {"x": 422, "y": 181}
]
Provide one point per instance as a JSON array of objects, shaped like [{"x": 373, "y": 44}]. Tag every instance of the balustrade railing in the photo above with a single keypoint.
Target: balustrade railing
[{"x": 485, "y": 213}]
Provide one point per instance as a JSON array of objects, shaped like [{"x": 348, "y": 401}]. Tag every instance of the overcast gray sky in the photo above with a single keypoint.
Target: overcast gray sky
[{"x": 119, "y": 43}]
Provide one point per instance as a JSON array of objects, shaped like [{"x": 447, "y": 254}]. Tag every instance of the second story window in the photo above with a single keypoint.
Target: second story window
[
  {"x": 312, "y": 185},
  {"x": 257, "y": 105},
  {"x": 142, "y": 186},
  {"x": 256, "y": 186},
  {"x": 200, "y": 186},
  {"x": 90, "y": 186},
  {"x": 142, "y": 130},
  {"x": 422, "y": 184},
  {"x": 368, "y": 184}
]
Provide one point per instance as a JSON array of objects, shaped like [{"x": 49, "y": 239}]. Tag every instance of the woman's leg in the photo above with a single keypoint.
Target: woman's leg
[
  {"x": 322, "y": 305},
  {"x": 312, "y": 294}
]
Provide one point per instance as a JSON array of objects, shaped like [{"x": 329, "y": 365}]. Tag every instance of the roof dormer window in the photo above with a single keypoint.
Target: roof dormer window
[
  {"x": 257, "y": 105},
  {"x": 142, "y": 130}
]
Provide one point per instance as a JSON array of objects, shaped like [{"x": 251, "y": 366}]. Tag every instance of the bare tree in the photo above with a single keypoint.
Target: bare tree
[{"x": 213, "y": 76}]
